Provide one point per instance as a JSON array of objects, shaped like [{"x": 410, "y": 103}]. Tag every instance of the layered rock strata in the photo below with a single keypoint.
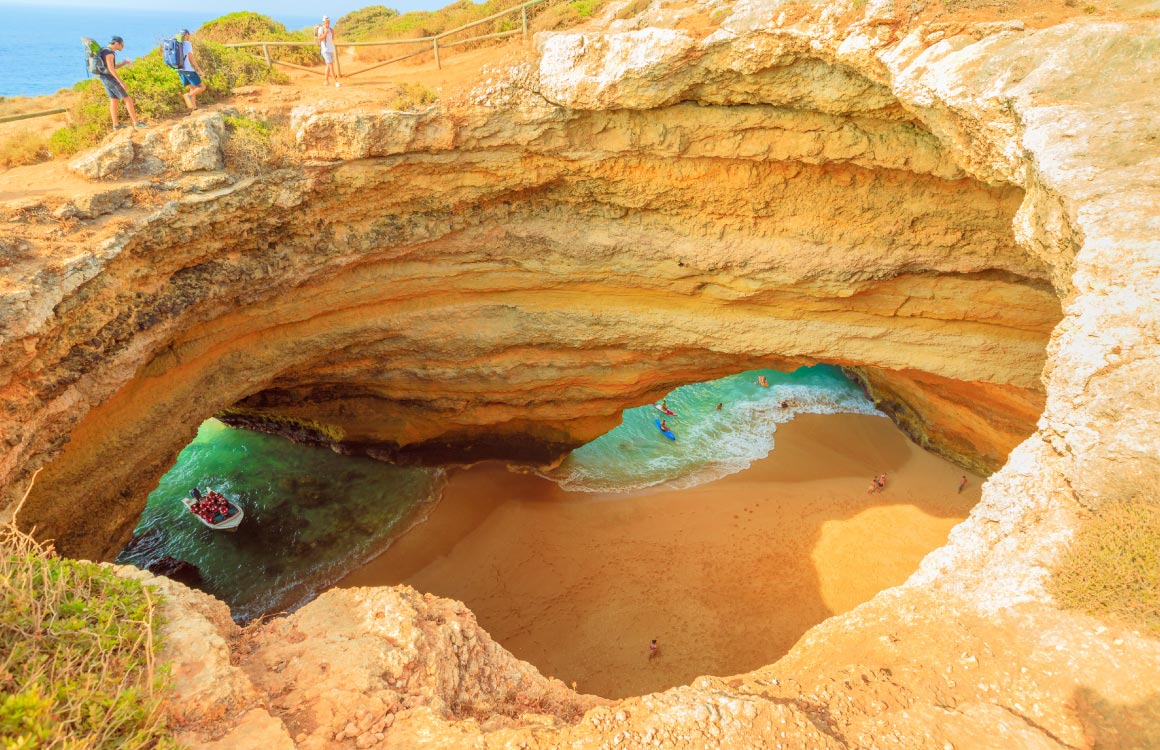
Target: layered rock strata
[
  {"x": 641, "y": 208},
  {"x": 501, "y": 279}
]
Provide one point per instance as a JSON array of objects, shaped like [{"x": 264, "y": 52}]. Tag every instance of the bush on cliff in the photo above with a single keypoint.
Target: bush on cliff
[
  {"x": 156, "y": 89},
  {"x": 1112, "y": 567},
  {"x": 77, "y": 645},
  {"x": 247, "y": 26}
]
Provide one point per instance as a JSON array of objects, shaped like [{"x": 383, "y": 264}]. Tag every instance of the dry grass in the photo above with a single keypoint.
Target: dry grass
[
  {"x": 77, "y": 646},
  {"x": 412, "y": 97},
  {"x": 23, "y": 147},
  {"x": 253, "y": 147},
  {"x": 1112, "y": 568}
]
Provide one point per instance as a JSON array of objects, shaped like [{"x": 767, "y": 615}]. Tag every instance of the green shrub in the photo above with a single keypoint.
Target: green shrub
[
  {"x": 156, "y": 89},
  {"x": 247, "y": 26},
  {"x": 1112, "y": 567},
  {"x": 356, "y": 25},
  {"x": 77, "y": 646}
]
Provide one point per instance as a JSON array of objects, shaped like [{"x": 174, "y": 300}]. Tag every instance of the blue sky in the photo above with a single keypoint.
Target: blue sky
[{"x": 333, "y": 8}]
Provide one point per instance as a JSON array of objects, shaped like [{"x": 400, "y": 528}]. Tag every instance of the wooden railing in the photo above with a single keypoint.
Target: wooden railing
[
  {"x": 522, "y": 9},
  {"x": 30, "y": 115}
]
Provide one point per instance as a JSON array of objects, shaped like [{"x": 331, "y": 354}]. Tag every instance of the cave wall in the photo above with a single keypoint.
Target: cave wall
[{"x": 489, "y": 282}]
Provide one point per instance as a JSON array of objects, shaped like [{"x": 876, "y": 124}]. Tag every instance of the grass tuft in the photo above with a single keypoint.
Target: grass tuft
[
  {"x": 77, "y": 646},
  {"x": 1112, "y": 568}
]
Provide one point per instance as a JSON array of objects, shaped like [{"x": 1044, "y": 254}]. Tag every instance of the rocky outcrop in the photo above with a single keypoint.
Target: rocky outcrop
[
  {"x": 423, "y": 289},
  {"x": 963, "y": 212}
]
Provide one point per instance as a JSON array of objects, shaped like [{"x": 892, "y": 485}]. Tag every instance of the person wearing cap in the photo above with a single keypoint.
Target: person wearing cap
[
  {"x": 189, "y": 72},
  {"x": 324, "y": 35},
  {"x": 114, "y": 86}
]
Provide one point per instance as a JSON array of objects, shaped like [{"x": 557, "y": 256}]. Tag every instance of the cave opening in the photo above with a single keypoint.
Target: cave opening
[{"x": 725, "y": 544}]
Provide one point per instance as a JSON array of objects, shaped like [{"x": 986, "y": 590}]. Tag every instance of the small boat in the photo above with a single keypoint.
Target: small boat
[
  {"x": 665, "y": 409},
  {"x": 229, "y": 522}
]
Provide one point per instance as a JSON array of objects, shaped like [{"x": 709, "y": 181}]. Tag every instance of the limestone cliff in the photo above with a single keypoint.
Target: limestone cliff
[{"x": 965, "y": 212}]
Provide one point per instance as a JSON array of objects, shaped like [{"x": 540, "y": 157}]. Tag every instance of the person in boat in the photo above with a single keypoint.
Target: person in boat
[
  {"x": 761, "y": 381},
  {"x": 664, "y": 426},
  {"x": 665, "y": 406}
]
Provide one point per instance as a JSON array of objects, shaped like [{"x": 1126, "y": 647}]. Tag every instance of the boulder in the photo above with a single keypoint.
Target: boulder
[
  {"x": 196, "y": 143},
  {"x": 106, "y": 160}
]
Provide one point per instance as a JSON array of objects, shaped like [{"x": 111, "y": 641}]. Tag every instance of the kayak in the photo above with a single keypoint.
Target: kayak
[
  {"x": 667, "y": 433},
  {"x": 670, "y": 412},
  {"x": 228, "y": 523}
]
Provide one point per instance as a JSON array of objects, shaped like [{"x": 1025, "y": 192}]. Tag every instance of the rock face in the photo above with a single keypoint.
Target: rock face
[
  {"x": 426, "y": 288},
  {"x": 964, "y": 213}
]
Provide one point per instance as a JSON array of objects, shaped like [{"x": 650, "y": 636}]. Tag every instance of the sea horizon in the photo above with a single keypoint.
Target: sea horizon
[{"x": 40, "y": 46}]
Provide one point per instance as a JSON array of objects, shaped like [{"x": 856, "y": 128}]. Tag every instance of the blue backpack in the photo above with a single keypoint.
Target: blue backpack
[{"x": 172, "y": 53}]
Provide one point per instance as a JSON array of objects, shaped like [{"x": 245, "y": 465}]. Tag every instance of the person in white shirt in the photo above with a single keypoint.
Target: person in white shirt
[
  {"x": 189, "y": 72},
  {"x": 324, "y": 35}
]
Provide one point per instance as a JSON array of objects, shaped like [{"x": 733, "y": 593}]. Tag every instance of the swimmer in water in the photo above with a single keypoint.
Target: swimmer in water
[
  {"x": 719, "y": 407},
  {"x": 761, "y": 381}
]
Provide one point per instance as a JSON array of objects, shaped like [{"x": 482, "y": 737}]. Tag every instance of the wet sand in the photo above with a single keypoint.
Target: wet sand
[{"x": 727, "y": 576}]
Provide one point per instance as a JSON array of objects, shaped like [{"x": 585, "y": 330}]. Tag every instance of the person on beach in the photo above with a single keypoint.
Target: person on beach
[
  {"x": 881, "y": 482},
  {"x": 652, "y": 649},
  {"x": 114, "y": 86},
  {"x": 189, "y": 72},
  {"x": 324, "y": 35},
  {"x": 761, "y": 381},
  {"x": 873, "y": 486},
  {"x": 962, "y": 483}
]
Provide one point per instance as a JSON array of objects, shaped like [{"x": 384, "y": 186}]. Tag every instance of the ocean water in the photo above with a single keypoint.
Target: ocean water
[
  {"x": 311, "y": 516},
  {"x": 709, "y": 443},
  {"x": 40, "y": 46}
]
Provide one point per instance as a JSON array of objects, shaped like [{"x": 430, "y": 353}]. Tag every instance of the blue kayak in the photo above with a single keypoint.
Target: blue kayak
[{"x": 667, "y": 433}]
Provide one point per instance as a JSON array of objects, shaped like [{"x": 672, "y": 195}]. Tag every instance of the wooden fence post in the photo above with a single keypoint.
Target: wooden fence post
[
  {"x": 438, "y": 64},
  {"x": 337, "y": 62},
  {"x": 266, "y": 52},
  {"x": 524, "y": 17}
]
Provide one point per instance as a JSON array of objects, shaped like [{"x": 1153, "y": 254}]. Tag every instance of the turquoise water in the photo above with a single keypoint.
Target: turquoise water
[
  {"x": 311, "y": 516},
  {"x": 709, "y": 443}
]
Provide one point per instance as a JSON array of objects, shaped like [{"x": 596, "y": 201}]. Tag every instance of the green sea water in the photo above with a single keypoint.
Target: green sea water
[{"x": 312, "y": 515}]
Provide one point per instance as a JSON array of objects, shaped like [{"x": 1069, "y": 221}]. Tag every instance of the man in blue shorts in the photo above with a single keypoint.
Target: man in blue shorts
[
  {"x": 114, "y": 86},
  {"x": 189, "y": 72}
]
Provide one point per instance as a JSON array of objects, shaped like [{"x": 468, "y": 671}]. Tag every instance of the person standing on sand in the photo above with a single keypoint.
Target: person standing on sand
[
  {"x": 324, "y": 35},
  {"x": 189, "y": 72},
  {"x": 962, "y": 483},
  {"x": 114, "y": 86},
  {"x": 652, "y": 649}
]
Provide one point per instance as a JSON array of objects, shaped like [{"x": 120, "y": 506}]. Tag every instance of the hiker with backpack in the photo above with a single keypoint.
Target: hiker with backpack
[
  {"x": 103, "y": 63},
  {"x": 324, "y": 35},
  {"x": 178, "y": 54}
]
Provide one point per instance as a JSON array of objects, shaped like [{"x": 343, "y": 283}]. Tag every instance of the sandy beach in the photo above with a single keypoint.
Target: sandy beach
[{"x": 726, "y": 576}]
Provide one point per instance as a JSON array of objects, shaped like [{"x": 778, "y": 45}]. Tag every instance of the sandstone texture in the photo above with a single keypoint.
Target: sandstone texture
[{"x": 963, "y": 213}]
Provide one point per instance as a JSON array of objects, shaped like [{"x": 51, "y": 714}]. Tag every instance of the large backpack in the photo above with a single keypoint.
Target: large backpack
[
  {"x": 93, "y": 60},
  {"x": 172, "y": 53}
]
